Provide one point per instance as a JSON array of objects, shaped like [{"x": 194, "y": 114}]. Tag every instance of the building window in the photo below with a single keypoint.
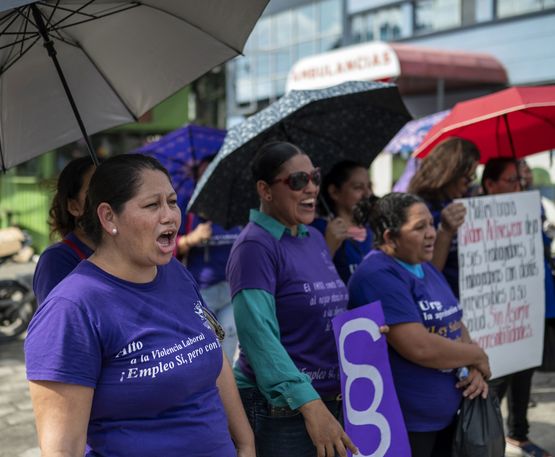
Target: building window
[
  {"x": 483, "y": 10},
  {"x": 278, "y": 41},
  {"x": 386, "y": 24},
  {"x": 507, "y": 8},
  {"x": 435, "y": 15}
]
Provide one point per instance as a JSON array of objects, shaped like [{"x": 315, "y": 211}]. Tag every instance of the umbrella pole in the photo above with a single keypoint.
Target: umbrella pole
[
  {"x": 49, "y": 45},
  {"x": 506, "y": 121},
  {"x": 513, "y": 152}
]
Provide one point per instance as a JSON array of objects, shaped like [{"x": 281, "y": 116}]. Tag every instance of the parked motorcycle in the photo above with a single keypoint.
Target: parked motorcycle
[{"x": 17, "y": 301}]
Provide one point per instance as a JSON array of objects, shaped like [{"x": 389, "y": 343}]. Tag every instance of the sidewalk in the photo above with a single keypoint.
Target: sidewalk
[
  {"x": 542, "y": 416},
  {"x": 18, "y": 437}
]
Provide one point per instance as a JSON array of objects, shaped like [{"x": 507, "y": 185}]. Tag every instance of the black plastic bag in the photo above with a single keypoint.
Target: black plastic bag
[{"x": 479, "y": 431}]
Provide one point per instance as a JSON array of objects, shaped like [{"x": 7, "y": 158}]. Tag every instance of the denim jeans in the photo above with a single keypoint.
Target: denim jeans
[
  {"x": 218, "y": 300},
  {"x": 280, "y": 436}
]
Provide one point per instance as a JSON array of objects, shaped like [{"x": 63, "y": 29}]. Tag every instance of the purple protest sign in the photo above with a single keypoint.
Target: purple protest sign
[{"x": 373, "y": 417}]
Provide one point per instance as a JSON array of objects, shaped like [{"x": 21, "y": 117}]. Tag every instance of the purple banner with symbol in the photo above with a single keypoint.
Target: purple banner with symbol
[{"x": 373, "y": 418}]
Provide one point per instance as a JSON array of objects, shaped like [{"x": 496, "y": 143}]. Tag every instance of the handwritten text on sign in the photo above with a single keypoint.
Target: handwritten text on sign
[
  {"x": 501, "y": 278},
  {"x": 373, "y": 417}
]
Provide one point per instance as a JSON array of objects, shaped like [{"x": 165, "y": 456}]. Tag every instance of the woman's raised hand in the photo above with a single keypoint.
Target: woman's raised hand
[
  {"x": 336, "y": 233},
  {"x": 452, "y": 217}
]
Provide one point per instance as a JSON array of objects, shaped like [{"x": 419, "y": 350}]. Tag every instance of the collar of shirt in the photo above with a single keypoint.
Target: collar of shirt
[
  {"x": 273, "y": 226},
  {"x": 415, "y": 269}
]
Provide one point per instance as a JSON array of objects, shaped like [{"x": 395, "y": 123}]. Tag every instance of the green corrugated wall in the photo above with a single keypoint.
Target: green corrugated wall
[{"x": 25, "y": 200}]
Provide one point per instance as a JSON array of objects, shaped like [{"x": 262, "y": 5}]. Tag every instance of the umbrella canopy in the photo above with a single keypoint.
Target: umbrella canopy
[
  {"x": 354, "y": 120},
  {"x": 407, "y": 140},
  {"x": 412, "y": 134},
  {"x": 119, "y": 59},
  {"x": 514, "y": 122},
  {"x": 181, "y": 151}
]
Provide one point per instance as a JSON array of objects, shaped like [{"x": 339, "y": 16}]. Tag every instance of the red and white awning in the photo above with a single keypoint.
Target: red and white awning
[{"x": 415, "y": 69}]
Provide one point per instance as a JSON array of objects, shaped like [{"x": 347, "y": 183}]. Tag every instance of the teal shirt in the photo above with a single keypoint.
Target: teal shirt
[
  {"x": 415, "y": 269},
  {"x": 277, "y": 377}
]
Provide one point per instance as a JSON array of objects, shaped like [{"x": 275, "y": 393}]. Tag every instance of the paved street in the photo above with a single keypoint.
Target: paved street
[{"x": 18, "y": 437}]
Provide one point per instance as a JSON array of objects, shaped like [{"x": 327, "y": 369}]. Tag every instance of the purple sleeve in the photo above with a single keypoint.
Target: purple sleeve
[
  {"x": 63, "y": 345},
  {"x": 252, "y": 266},
  {"x": 391, "y": 289},
  {"x": 53, "y": 266}
]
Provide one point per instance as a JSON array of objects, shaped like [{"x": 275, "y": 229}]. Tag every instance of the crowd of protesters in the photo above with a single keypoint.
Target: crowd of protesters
[{"x": 124, "y": 355}]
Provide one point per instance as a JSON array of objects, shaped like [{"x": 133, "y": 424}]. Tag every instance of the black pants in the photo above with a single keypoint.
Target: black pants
[
  {"x": 517, "y": 386},
  {"x": 432, "y": 444}
]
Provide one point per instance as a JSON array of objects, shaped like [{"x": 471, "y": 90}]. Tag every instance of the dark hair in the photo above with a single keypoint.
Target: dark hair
[
  {"x": 386, "y": 213},
  {"x": 449, "y": 161},
  {"x": 204, "y": 161},
  {"x": 269, "y": 159},
  {"x": 494, "y": 169},
  {"x": 337, "y": 176},
  {"x": 115, "y": 181},
  {"x": 68, "y": 186}
]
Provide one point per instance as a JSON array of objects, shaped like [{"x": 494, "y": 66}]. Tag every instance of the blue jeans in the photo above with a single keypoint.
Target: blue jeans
[
  {"x": 218, "y": 300},
  {"x": 282, "y": 432}
]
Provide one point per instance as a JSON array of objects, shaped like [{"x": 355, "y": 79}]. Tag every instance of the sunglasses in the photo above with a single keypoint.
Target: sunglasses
[
  {"x": 511, "y": 179},
  {"x": 300, "y": 179}
]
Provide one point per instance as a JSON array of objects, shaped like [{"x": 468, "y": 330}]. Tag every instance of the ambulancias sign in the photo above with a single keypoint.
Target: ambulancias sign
[{"x": 375, "y": 61}]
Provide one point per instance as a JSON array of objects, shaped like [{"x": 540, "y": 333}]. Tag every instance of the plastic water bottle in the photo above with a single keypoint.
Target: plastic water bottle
[{"x": 462, "y": 373}]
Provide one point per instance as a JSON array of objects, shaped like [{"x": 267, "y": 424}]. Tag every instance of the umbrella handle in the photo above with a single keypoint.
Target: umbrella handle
[{"x": 326, "y": 207}]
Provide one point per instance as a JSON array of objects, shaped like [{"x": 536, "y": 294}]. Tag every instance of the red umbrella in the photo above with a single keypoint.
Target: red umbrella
[{"x": 514, "y": 122}]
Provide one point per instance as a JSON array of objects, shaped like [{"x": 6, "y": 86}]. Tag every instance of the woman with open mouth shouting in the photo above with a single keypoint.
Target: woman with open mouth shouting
[
  {"x": 122, "y": 358},
  {"x": 285, "y": 292}
]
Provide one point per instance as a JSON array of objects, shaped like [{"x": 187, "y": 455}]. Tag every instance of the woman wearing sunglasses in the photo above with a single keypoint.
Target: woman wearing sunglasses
[
  {"x": 285, "y": 291},
  {"x": 444, "y": 175},
  {"x": 500, "y": 176}
]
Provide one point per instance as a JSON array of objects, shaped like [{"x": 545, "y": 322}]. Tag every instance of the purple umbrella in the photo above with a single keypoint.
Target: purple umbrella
[
  {"x": 412, "y": 134},
  {"x": 407, "y": 140},
  {"x": 181, "y": 151}
]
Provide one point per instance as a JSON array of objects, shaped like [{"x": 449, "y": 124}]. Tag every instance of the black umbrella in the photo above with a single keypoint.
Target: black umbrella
[{"x": 353, "y": 120}]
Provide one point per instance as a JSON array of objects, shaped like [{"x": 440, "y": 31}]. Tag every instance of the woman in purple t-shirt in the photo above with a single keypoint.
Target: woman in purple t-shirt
[
  {"x": 121, "y": 357},
  {"x": 68, "y": 204},
  {"x": 285, "y": 292},
  {"x": 427, "y": 339}
]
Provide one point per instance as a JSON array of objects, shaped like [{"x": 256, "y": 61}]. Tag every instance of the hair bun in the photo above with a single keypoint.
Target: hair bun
[{"x": 364, "y": 209}]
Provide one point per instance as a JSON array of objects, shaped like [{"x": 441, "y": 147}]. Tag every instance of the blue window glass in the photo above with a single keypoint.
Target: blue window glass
[{"x": 434, "y": 15}]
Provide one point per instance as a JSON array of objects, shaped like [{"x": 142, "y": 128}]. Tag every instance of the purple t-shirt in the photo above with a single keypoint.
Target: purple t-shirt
[
  {"x": 300, "y": 274},
  {"x": 428, "y": 397},
  {"x": 55, "y": 263},
  {"x": 148, "y": 352},
  {"x": 350, "y": 253}
]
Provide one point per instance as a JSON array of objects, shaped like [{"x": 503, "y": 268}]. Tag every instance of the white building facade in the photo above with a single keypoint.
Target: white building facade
[{"x": 517, "y": 36}]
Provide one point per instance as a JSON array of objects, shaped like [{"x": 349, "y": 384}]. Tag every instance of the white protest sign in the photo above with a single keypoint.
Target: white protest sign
[{"x": 501, "y": 278}]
